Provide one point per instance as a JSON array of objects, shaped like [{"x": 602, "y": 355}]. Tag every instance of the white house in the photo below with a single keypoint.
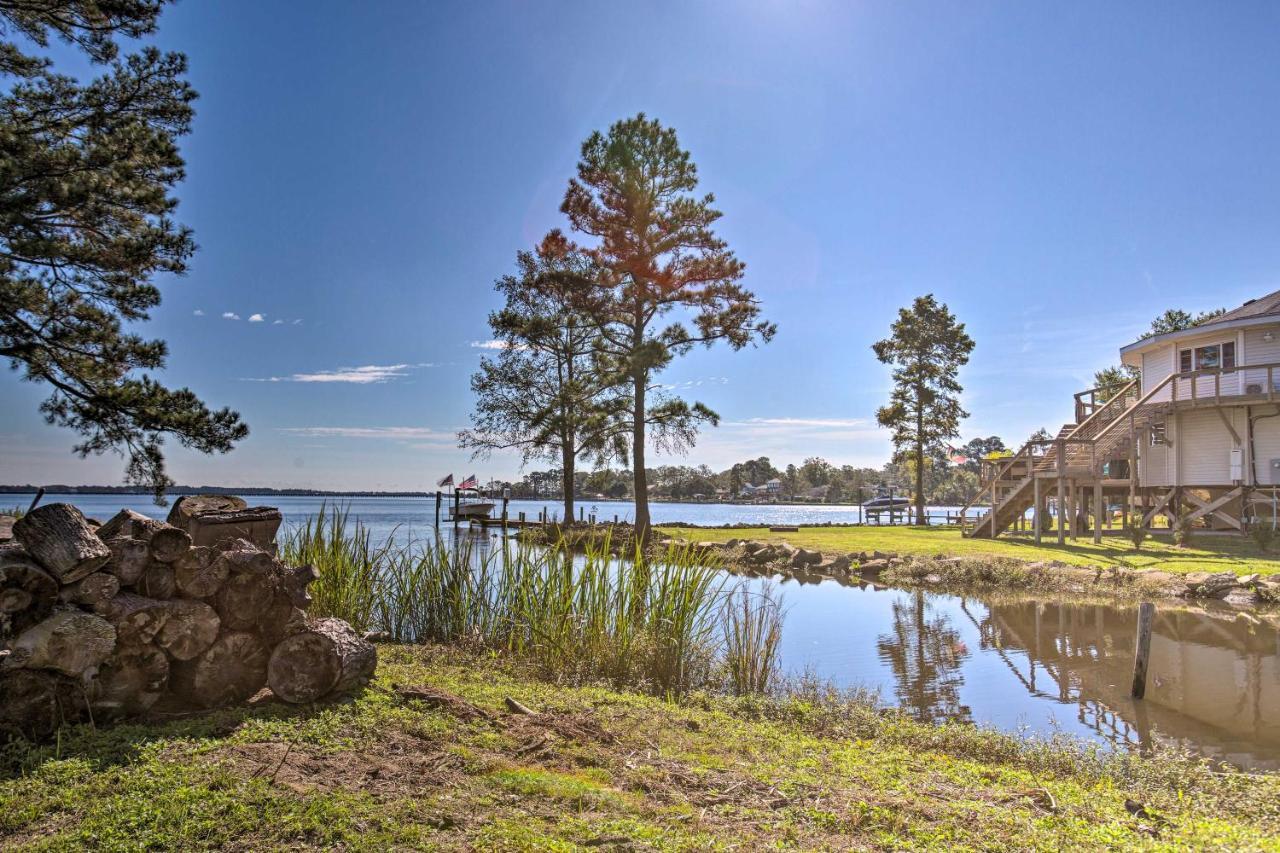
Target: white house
[{"x": 1195, "y": 439}]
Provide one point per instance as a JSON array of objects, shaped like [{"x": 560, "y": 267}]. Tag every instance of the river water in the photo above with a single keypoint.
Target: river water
[{"x": 1015, "y": 663}]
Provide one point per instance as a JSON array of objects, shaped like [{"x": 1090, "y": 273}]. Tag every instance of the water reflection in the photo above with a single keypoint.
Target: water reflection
[{"x": 925, "y": 651}]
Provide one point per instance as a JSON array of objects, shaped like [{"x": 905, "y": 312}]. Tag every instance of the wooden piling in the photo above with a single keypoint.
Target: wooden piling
[
  {"x": 1142, "y": 649},
  {"x": 439, "y": 500}
]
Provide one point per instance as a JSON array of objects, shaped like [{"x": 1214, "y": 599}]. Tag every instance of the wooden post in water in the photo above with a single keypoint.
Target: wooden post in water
[
  {"x": 582, "y": 514},
  {"x": 457, "y": 503},
  {"x": 1142, "y": 649},
  {"x": 439, "y": 500},
  {"x": 506, "y": 499}
]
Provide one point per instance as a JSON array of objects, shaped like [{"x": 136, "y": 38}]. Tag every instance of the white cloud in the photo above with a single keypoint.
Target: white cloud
[
  {"x": 392, "y": 433},
  {"x": 277, "y": 322},
  {"x": 256, "y": 318},
  {"x": 230, "y": 315},
  {"x": 369, "y": 374},
  {"x": 297, "y": 322},
  {"x": 491, "y": 344},
  {"x": 803, "y": 422},
  {"x": 198, "y": 312}
]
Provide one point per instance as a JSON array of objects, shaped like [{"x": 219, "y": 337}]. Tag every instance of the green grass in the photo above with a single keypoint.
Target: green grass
[
  {"x": 653, "y": 621},
  {"x": 1208, "y": 552},
  {"x": 602, "y": 768}
]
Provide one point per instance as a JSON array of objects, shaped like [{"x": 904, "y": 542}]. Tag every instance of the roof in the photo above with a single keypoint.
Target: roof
[{"x": 1264, "y": 309}]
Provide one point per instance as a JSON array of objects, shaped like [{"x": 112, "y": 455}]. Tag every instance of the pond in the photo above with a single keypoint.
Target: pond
[{"x": 1016, "y": 663}]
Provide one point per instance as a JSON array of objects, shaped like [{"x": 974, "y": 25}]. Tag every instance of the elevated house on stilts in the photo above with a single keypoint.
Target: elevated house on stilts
[{"x": 1195, "y": 440}]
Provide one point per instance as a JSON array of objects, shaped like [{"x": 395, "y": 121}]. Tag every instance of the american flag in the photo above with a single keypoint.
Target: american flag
[
  {"x": 469, "y": 483},
  {"x": 445, "y": 481}
]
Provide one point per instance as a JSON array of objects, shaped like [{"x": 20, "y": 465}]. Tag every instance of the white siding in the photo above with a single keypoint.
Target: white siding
[
  {"x": 1153, "y": 463},
  {"x": 1156, "y": 365},
  {"x": 1266, "y": 446},
  {"x": 1259, "y": 351},
  {"x": 1204, "y": 448}
]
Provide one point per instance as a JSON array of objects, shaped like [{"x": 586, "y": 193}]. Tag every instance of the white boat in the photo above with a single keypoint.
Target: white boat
[{"x": 470, "y": 505}]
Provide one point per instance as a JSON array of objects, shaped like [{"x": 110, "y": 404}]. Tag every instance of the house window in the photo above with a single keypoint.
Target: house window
[
  {"x": 1157, "y": 434},
  {"x": 1209, "y": 357}
]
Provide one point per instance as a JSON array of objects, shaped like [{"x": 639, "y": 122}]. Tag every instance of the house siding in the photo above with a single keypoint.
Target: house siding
[
  {"x": 1260, "y": 351},
  {"x": 1156, "y": 365},
  {"x": 1204, "y": 448},
  {"x": 1266, "y": 446}
]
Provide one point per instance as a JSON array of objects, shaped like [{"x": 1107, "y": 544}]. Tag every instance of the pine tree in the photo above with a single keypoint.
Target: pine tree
[
  {"x": 927, "y": 347},
  {"x": 653, "y": 242},
  {"x": 86, "y": 174},
  {"x": 544, "y": 395}
]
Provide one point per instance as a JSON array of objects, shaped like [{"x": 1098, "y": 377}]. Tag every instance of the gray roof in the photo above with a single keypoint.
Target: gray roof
[{"x": 1263, "y": 306}]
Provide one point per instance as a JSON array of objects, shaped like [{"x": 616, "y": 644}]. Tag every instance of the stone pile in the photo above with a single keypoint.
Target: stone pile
[
  {"x": 104, "y": 621},
  {"x": 785, "y": 557}
]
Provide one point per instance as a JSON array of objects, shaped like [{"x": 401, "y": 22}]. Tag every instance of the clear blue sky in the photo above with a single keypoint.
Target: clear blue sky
[{"x": 360, "y": 173}]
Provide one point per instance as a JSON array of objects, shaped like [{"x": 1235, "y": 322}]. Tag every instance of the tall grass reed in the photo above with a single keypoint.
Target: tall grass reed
[
  {"x": 648, "y": 621},
  {"x": 752, "y": 625}
]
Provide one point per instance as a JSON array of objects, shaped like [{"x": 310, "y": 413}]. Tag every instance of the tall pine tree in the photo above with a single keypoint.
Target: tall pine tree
[
  {"x": 653, "y": 242},
  {"x": 543, "y": 394},
  {"x": 86, "y": 174},
  {"x": 927, "y": 348}
]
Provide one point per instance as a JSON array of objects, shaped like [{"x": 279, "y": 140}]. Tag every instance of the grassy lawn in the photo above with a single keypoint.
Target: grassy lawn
[
  {"x": 1212, "y": 553},
  {"x": 599, "y": 769}
]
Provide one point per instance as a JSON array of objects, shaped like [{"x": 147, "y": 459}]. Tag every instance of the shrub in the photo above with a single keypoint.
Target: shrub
[
  {"x": 1182, "y": 534},
  {"x": 1263, "y": 535},
  {"x": 1137, "y": 533}
]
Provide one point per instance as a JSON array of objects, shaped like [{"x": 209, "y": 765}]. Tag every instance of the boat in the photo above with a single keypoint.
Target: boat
[
  {"x": 887, "y": 503},
  {"x": 469, "y": 504}
]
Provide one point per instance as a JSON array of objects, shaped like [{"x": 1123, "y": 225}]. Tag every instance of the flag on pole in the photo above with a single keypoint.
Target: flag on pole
[
  {"x": 469, "y": 483},
  {"x": 445, "y": 481}
]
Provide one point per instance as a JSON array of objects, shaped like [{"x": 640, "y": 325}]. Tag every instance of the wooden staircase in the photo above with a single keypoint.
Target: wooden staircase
[{"x": 1080, "y": 451}]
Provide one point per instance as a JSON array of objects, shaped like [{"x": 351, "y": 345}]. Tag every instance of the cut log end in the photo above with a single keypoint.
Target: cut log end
[
  {"x": 327, "y": 658},
  {"x": 129, "y": 682},
  {"x": 229, "y": 671}
]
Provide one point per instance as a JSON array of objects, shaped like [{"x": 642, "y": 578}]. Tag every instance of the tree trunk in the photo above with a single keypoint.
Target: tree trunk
[
  {"x": 27, "y": 592},
  {"x": 70, "y": 641},
  {"x": 200, "y": 572},
  {"x": 137, "y": 619},
  {"x": 189, "y": 630},
  {"x": 328, "y": 658},
  {"x": 165, "y": 542},
  {"x": 920, "y": 518},
  {"x": 209, "y": 527},
  {"x": 129, "y": 559},
  {"x": 35, "y": 703},
  {"x": 59, "y": 539},
  {"x": 91, "y": 590},
  {"x": 639, "y": 479},
  {"x": 243, "y": 599},
  {"x": 230, "y": 671},
  {"x": 158, "y": 581},
  {"x": 567, "y": 466},
  {"x": 129, "y": 682}
]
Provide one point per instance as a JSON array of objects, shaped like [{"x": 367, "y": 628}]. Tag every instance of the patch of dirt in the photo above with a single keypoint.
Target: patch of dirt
[{"x": 395, "y": 768}]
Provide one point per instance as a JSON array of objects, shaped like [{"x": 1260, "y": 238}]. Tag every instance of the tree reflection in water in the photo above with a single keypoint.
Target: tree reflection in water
[{"x": 925, "y": 652}]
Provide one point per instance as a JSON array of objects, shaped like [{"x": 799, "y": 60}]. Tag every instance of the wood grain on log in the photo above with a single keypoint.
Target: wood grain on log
[
  {"x": 129, "y": 682},
  {"x": 129, "y": 559},
  {"x": 59, "y": 539},
  {"x": 191, "y": 628},
  {"x": 200, "y": 573},
  {"x": 158, "y": 581},
  {"x": 166, "y": 542},
  {"x": 35, "y": 703},
  {"x": 243, "y": 599},
  {"x": 257, "y": 524},
  {"x": 229, "y": 671},
  {"x": 137, "y": 619},
  {"x": 327, "y": 658},
  {"x": 91, "y": 590},
  {"x": 27, "y": 592},
  {"x": 6, "y": 527},
  {"x": 242, "y": 556},
  {"x": 189, "y": 506},
  {"x": 70, "y": 641}
]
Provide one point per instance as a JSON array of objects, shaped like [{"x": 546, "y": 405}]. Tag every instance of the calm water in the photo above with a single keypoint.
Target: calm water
[{"x": 1037, "y": 666}]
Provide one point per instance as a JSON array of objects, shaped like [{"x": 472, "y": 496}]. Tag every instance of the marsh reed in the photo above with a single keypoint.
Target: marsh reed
[{"x": 651, "y": 621}]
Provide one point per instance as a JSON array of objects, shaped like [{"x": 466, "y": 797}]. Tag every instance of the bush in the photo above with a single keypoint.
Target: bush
[
  {"x": 1182, "y": 534},
  {"x": 1137, "y": 534}
]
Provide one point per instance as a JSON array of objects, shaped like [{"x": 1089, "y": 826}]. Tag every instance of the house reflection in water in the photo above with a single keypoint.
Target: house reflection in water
[{"x": 1213, "y": 681}]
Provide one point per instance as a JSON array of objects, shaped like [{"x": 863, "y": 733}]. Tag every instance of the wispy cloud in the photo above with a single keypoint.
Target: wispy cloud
[
  {"x": 695, "y": 383},
  {"x": 256, "y": 318},
  {"x": 397, "y": 433},
  {"x": 803, "y": 422},
  {"x": 297, "y": 322},
  {"x": 368, "y": 374},
  {"x": 493, "y": 344},
  {"x": 230, "y": 315},
  {"x": 277, "y": 322},
  {"x": 198, "y": 312}
]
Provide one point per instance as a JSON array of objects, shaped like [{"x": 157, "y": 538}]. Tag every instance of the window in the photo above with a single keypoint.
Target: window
[
  {"x": 1209, "y": 357},
  {"x": 1157, "y": 434}
]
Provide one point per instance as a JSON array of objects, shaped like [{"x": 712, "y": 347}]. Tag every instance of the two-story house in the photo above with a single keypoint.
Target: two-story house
[{"x": 1195, "y": 439}]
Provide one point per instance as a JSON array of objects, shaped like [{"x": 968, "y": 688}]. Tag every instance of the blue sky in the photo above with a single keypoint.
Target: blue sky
[{"x": 359, "y": 174}]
